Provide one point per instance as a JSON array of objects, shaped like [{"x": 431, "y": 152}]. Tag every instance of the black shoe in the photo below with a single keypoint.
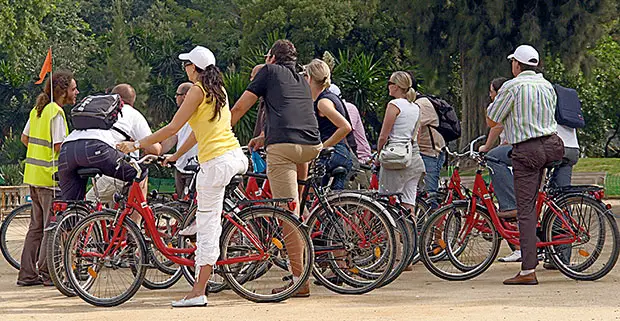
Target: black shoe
[
  {"x": 29, "y": 283},
  {"x": 550, "y": 266}
]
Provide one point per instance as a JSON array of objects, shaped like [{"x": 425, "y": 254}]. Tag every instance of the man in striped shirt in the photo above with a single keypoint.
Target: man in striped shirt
[{"x": 526, "y": 107}]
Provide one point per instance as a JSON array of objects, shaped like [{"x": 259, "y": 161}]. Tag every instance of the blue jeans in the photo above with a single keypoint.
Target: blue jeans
[
  {"x": 501, "y": 176},
  {"x": 433, "y": 165},
  {"x": 340, "y": 158}
]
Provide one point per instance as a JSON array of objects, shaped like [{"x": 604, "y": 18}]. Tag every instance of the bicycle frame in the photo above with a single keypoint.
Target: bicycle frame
[
  {"x": 137, "y": 202},
  {"x": 480, "y": 192}
]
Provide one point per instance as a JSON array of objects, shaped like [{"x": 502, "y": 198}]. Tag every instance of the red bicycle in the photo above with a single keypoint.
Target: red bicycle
[
  {"x": 106, "y": 254},
  {"x": 576, "y": 230}
]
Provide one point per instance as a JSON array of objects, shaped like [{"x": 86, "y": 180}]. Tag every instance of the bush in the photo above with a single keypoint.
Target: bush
[
  {"x": 12, "y": 174},
  {"x": 12, "y": 150}
]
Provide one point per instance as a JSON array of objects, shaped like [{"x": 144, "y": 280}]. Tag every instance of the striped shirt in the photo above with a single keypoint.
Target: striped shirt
[{"x": 526, "y": 107}]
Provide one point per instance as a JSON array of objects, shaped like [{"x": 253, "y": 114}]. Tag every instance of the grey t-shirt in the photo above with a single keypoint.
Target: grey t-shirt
[{"x": 288, "y": 106}]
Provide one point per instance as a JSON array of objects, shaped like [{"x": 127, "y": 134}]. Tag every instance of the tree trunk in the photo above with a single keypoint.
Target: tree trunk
[{"x": 474, "y": 103}]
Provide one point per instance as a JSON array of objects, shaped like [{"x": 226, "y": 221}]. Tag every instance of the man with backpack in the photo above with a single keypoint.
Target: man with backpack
[
  {"x": 91, "y": 144},
  {"x": 439, "y": 124}
]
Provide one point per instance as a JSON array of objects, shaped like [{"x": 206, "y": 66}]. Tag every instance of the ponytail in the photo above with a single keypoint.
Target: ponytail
[
  {"x": 411, "y": 95},
  {"x": 213, "y": 84}
]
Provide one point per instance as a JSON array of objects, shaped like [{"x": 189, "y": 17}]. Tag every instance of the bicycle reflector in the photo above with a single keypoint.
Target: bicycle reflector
[
  {"x": 58, "y": 207},
  {"x": 292, "y": 205}
]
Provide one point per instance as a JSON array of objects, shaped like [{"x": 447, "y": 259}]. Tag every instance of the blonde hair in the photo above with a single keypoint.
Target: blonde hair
[
  {"x": 318, "y": 70},
  {"x": 403, "y": 81}
]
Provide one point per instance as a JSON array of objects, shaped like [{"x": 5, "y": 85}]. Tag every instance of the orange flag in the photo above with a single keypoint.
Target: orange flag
[{"x": 47, "y": 67}]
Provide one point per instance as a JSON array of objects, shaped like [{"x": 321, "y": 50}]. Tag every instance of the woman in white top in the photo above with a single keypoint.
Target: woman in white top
[{"x": 400, "y": 125}]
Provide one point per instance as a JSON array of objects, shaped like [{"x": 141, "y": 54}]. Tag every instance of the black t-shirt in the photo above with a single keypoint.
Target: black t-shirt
[{"x": 288, "y": 106}]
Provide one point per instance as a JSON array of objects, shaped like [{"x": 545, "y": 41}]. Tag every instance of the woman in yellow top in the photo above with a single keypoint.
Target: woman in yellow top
[{"x": 219, "y": 153}]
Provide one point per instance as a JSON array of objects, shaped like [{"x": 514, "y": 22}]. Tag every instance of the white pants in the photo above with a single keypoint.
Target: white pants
[{"x": 211, "y": 183}]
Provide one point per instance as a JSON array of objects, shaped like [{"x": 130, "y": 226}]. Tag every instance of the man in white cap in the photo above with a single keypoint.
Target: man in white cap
[{"x": 525, "y": 106}]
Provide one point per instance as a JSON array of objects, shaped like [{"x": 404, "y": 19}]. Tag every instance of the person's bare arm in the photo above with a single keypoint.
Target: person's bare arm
[
  {"x": 168, "y": 143},
  {"x": 493, "y": 135},
  {"x": 241, "y": 107},
  {"x": 328, "y": 109},
  {"x": 57, "y": 147},
  {"x": 391, "y": 112},
  {"x": 24, "y": 140},
  {"x": 187, "y": 145}
]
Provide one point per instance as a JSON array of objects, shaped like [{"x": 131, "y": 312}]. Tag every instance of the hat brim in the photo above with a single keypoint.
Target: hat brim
[
  {"x": 184, "y": 56},
  {"x": 509, "y": 56}
]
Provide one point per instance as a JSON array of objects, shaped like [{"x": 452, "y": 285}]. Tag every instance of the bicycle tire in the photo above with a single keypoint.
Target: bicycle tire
[
  {"x": 421, "y": 211},
  {"x": 277, "y": 217},
  {"x": 405, "y": 243},
  {"x": 607, "y": 229},
  {"x": 56, "y": 244},
  {"x": 355, "y": 280},
  {"x": 162, "y": 276},
  {"x": 449, "y": 266},
  {"x": 72, "y": 264},
  {"x": 12, "y": 236}
]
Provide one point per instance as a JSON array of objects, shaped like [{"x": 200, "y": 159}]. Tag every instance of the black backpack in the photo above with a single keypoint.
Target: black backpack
[
  {"x": 568, "y": 108},
  {"x": 449, "y": 123},
  {"x": 97, "y": 112}
]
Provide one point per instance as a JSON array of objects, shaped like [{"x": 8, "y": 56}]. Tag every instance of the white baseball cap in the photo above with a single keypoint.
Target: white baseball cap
[
  {"x": 199, "y": 56},
  {"x": 526, "y": 54}
]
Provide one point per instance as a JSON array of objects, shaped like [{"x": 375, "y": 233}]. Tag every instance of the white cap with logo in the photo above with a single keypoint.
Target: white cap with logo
[
  {"x": 199, "y": 56},
  {"x": 526, "y": 54}
]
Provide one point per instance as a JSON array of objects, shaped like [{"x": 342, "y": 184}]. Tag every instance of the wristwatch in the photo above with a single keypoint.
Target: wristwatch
[{"x": 136, "y": 144}]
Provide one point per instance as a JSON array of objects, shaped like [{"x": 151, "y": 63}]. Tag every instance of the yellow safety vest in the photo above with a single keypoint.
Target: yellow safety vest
[{"x": 41, "y": 160}]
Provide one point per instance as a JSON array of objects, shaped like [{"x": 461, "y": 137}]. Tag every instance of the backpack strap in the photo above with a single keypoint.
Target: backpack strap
[{"x": 120, "y": 131}]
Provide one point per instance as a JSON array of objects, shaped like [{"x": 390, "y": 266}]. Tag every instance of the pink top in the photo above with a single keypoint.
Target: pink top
[{"x": 363, "y": 148}]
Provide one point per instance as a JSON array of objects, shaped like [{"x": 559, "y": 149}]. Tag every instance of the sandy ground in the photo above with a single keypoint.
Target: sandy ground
[{"x": 416, "y": 295}]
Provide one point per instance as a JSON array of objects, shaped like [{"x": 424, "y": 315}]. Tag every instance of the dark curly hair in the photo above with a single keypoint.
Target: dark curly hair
[
  {"x": 213, "y": 83},
  {"x": 61, "y": 80},
  {"x": 285, "y": 51}
]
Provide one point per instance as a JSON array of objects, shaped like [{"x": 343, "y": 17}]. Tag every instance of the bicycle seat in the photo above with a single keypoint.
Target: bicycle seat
[
  {"x": 88, "y": 172},
  {"x": 326, "y": 152},
  {"x": 235, "y": 181},
  {"x": 553, "y": 164},
  {"x": 192, "y": 168},
  {"x": 339, "y": 170}
]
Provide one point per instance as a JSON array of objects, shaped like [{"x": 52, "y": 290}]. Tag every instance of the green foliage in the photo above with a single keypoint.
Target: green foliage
[
  {"x": 12, "y": 174},
  {"x": 362, "y": 79},
  {"x": 12, "y": 150},
  {"x": 235, "y": 84}
]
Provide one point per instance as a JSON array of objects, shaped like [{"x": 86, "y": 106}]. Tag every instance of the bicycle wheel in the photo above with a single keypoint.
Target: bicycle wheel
[
  {"x": 281, "y": 237},
  {"x": 55, "y": 247},
  {"x": 405, "y": 241},
  {"x": 421, "y": 212},
  {"x": 13, "y": 233},
  {"x": 216, "y": 282},
  {"x": 355, "y": 249},
  {"x": 162, "y": 273},
  {"x": 456, "y": 244},
  {"x": 100, "y": 278},
  {"x": 595, "y": 251}
]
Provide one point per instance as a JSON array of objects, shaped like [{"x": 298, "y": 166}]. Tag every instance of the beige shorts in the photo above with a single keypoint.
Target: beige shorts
[{"x": 282, "y": 160}]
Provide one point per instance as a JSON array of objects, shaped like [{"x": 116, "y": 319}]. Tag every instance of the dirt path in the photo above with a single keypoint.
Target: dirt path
[{"x": 416, "y": 295}]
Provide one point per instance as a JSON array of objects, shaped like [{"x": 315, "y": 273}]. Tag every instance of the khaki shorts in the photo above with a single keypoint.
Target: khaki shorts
[{"x": 282, "y": 160}]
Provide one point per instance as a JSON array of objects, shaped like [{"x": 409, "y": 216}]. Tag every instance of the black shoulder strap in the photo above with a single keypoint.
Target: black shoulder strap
[{"x": 120, "y": 131}]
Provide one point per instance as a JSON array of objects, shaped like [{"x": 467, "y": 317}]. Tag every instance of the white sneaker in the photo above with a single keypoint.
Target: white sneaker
[
  {"x": 189, "y": 231},
  {"x": 513, "y": 257},
  {"x": 199, "y": 301}
]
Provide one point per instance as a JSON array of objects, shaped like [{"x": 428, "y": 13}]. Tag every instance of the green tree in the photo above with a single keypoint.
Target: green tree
[
  {"x": 482, "y": 33},
  {"x": 119, "y": 64}
]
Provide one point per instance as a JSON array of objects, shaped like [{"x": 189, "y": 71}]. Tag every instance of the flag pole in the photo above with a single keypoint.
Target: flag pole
[{"x": 51, "y": 79}]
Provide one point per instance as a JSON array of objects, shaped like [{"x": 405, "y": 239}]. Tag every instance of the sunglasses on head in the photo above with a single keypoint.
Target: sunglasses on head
[
  {"x": 391, "y": 83},
  {"x": 186, "y": 63}
]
